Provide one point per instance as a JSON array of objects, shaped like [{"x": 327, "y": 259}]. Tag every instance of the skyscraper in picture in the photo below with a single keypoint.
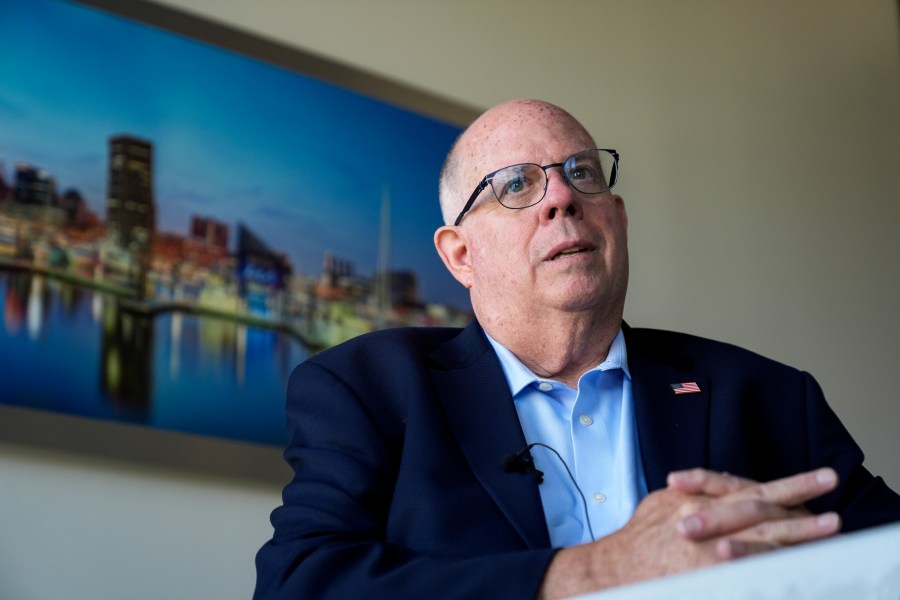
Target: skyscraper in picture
[{"x": 130, "y": 208}]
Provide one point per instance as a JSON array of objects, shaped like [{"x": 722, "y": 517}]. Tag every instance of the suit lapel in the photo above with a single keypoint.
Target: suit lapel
[
  {"x": 470, "y": 385},
  {"x": 673, "y": 429}
]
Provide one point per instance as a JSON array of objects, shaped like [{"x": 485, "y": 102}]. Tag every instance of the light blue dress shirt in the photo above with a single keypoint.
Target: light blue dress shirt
[{"x": 594, "y": 431}]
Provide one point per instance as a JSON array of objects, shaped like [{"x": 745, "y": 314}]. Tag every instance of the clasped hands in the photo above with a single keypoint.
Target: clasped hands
[
  {"x": 704, "y": 517},
  {"x": 736, "y": 517},
  {"x": 701, "y": 518}
]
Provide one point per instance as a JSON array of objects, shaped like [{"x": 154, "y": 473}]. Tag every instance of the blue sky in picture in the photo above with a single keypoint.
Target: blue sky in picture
[{"x": 302, "y": 163}]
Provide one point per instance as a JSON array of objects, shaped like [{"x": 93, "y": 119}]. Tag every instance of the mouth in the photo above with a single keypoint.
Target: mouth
[{"x": 570, "y": 250}]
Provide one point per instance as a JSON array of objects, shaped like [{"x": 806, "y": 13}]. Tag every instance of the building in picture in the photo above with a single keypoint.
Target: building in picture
[{"x": 130, "y": 209}]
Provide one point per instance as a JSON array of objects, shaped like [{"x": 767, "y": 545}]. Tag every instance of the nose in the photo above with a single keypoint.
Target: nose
[{"x": 561, "y": 198}]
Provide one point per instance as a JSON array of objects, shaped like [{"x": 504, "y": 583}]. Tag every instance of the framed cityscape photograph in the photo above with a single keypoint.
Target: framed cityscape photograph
[{"x": 187, "y": 212}]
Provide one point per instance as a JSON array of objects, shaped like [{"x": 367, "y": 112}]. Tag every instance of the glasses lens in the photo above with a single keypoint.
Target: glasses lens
[
  {"x": 591, "y": 171},
  {"x": 519, "y": 186}
]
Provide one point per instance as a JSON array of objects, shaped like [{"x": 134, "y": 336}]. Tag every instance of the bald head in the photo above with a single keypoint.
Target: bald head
[{"x": 490, "y": 143}]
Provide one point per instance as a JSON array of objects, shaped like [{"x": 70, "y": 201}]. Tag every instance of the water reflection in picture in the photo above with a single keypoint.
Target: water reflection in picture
[{"x": 74, "y": 350}]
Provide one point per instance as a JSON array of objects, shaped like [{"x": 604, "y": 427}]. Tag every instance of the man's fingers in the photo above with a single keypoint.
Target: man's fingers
[
  {"x": 727, "y": 517},
  {"x": 795, "y": 490},
  {"x": 710, "y": 483},
  {"x": 730, "y": 549},
  {"x": 752, "y": 519},
  {"x": 774, "y": 534},
  {"x": 788, "y": 491},
  {"x": 748, "y": 504}
]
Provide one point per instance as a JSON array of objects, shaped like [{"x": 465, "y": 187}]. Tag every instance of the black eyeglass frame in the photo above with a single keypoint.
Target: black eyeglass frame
[{"x": 488, "y": 178}]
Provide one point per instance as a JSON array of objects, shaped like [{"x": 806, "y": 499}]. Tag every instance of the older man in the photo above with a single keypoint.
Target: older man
[{"x": 547, "y": 449}]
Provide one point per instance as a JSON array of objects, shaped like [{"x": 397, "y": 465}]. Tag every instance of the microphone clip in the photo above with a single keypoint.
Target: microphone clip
[{"x": 521, "y": 462}]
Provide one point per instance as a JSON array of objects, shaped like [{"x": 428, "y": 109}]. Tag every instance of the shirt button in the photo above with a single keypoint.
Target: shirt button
[
  {"x": 545, "y": 387},
  {"x": 586, "y": 420},
  {"x": 599, "y": 498}
]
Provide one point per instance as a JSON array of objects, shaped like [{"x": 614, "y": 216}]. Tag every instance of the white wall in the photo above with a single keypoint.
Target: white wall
[
  {"x": 761, "y": 167},
  {"x": 82, "y": 528}
]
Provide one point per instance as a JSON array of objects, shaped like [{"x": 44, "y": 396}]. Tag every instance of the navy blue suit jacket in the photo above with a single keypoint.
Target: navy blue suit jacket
[{"x": 397, "y": 436}]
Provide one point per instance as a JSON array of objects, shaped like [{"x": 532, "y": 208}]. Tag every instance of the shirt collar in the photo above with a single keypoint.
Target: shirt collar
[{"x": 518, "y": 376}]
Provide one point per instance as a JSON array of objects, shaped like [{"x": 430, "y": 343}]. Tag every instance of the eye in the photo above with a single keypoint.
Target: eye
[
  {"x": 583, "y": 172},
  {"x": 515, "y": 185},
  {"x": 516, "y": 182}
]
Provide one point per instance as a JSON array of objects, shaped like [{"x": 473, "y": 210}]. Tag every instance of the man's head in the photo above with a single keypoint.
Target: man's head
[{"x": 566, "y": 253}]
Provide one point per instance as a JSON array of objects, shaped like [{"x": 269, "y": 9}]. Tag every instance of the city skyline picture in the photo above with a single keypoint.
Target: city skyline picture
[{"x": 180, "y": 225}]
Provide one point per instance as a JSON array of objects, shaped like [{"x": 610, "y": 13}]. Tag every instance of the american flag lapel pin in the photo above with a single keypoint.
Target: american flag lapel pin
[{"x": 688, "y": 387}]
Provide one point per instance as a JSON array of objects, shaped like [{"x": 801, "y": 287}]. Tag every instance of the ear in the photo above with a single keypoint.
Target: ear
[{"x": 453, "y": 248}]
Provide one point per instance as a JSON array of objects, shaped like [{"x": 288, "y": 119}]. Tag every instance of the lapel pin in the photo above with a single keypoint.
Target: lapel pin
[{"x": 688, "y": 387}]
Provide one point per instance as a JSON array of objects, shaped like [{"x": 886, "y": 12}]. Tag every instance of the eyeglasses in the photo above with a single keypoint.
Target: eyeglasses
[{"x": 592, "y": 171}]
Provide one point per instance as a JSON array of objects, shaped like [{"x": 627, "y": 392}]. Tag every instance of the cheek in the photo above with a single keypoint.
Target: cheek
[{"x": 499, "y": 259}]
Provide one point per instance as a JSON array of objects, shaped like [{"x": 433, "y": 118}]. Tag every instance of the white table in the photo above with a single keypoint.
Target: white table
[{"x": 856, "y": 566}]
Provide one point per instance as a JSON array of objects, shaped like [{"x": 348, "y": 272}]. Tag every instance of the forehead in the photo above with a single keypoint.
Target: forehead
[{"x": 520, "y": 132}]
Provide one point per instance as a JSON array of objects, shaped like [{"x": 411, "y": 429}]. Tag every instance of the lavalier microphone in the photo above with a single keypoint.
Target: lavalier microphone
[{"x": 521, "y": 462}]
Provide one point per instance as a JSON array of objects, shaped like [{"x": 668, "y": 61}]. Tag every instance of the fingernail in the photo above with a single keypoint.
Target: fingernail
[
  {"x": 827, "y": 520},
  {"x": 689, "y": 476},
  {"x": 675, "y": 476},
  {"x": 826, "y": 477},
  {"x": 690, "y": 525}
]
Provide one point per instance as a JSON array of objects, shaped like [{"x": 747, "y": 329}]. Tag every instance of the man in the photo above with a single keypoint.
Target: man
[{"x": 547, "y": 449}]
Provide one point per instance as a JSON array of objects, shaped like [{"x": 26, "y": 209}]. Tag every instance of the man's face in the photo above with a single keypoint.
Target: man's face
[{"x": 568, "y": 252}]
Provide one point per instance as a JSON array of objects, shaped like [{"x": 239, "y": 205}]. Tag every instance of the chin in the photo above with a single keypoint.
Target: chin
[
  {"x": 595, "y": 296},
  {"x": 576, "y": 302}
]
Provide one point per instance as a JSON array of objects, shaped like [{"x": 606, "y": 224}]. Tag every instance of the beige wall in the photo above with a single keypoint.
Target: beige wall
[
  {"x": 761, "y": 169},
  {"x": 760, "y": 143}
]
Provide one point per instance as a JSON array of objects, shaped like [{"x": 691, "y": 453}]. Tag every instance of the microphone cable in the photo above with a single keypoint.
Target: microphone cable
[{"x": 516, "y": 462}]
